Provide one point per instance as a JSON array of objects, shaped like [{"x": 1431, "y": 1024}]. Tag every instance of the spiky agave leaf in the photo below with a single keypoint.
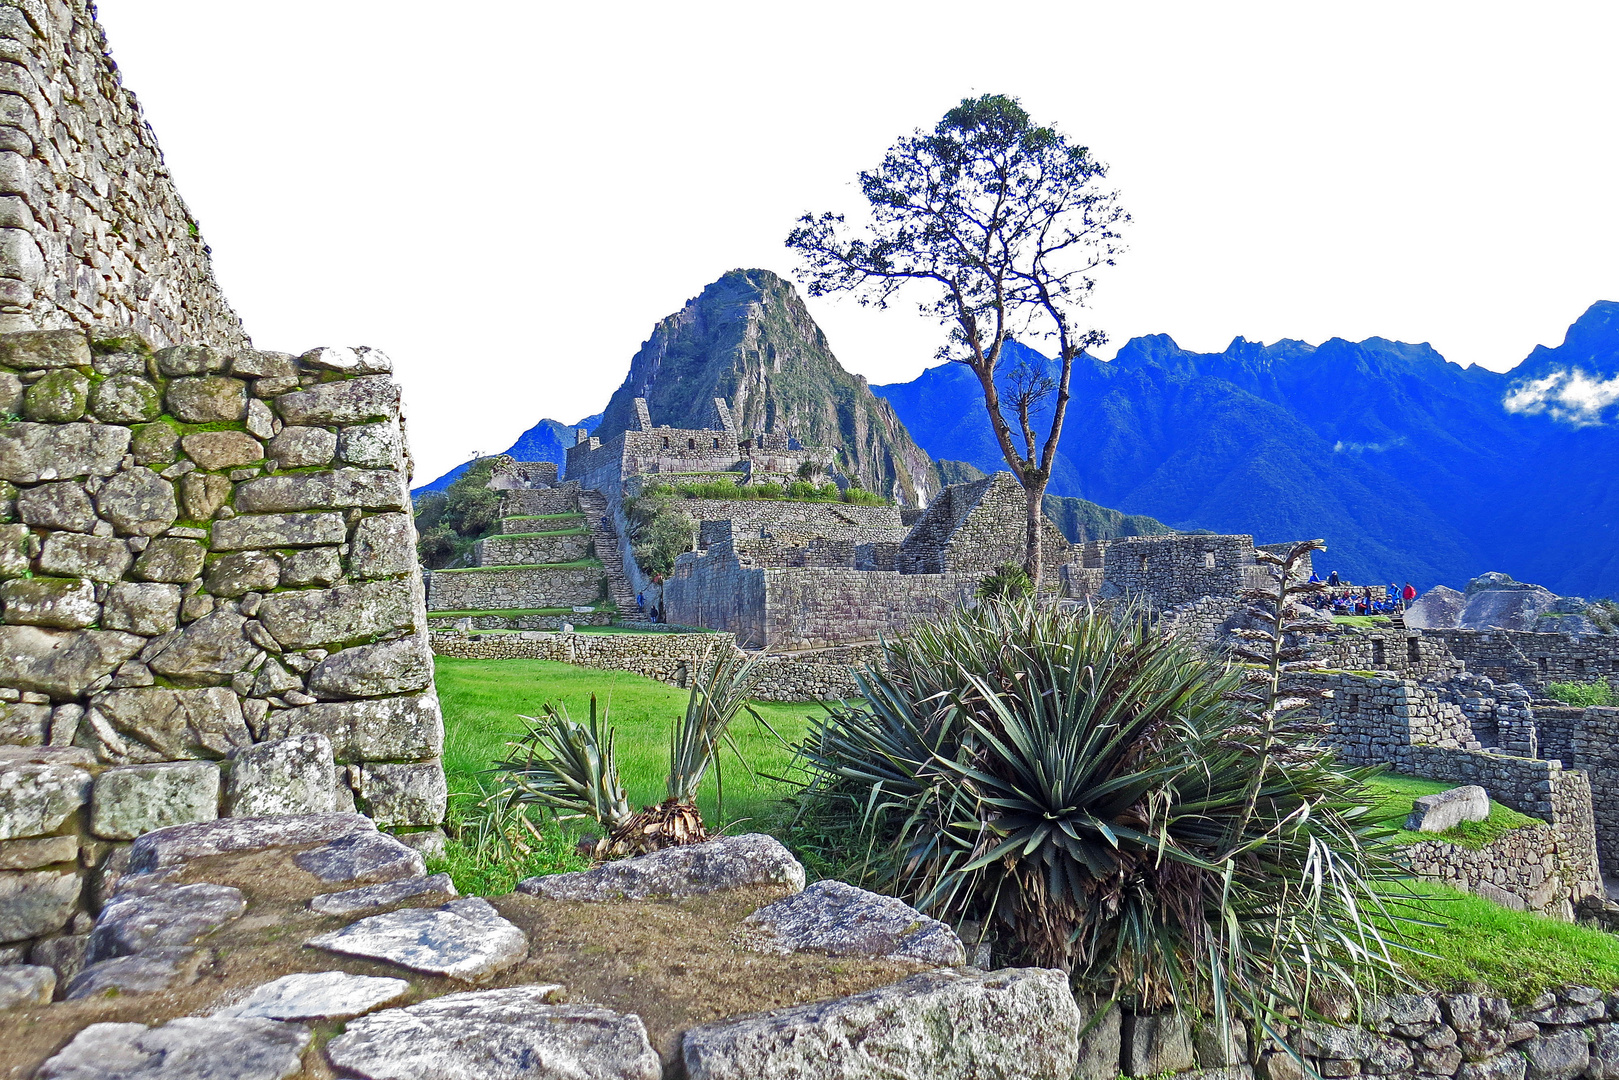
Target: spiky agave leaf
[
  {"x": 718, "y": 692},
  {"x": 567, "y": 767}
]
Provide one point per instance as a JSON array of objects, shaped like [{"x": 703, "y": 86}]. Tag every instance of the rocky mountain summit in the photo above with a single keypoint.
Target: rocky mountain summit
[{"x": 1495, "y": 601}]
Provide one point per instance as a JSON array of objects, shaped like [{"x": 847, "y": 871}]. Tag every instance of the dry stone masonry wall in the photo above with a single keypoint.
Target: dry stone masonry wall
[
  {"x": 209, "y": 598},
  {"x": 93, "y": 233}
]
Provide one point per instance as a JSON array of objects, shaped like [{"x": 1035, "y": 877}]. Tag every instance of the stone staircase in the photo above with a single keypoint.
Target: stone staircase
[
  {"x": 549, "y": 558},
  {"x": 604, "y": 539}
]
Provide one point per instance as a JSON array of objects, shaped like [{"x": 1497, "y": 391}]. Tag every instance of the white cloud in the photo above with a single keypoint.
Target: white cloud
[
  {"x": 1341, "y": 447},
  {"x": 1570, "y": 395}
]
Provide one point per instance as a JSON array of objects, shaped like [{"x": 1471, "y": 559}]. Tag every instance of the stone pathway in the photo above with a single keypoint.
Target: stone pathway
[
  {"x": 730, "y": 862},
  {"x": 465, "y": 939},
  {"x": 841, "y": 920},
  {"x": 328, "y": 995}
]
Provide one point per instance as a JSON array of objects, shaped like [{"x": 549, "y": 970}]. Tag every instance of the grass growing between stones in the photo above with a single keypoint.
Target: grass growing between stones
[
  {"x": 1394, "y": 794},
  {"x": 1473, "y": 942},
  {"x": 482, "y": 700}
]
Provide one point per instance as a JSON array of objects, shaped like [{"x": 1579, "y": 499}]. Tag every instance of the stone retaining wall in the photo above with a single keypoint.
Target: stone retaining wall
[
  {"x": 1595, "y": 749},
  {"x": 669, "y": 658},
  {"x": 522, "y": 502},
  {"x": 1520, "y": 870},
  {"x": 520, "y": 549},
  {"x": 1534, "y": 659},
  {"x": 93, "y": 233},
  {"x": 495, "y": 588}
]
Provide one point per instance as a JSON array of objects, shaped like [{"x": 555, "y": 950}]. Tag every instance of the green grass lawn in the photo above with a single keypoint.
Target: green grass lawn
[
  {"x": 1365, "y": 622},
  {"x": 1394, "y": 794}
]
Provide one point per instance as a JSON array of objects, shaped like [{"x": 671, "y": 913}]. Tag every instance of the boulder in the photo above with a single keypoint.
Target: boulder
[
  {"x": 154, "y": 444},
  {"x": 166, "y": 915},
  {"x": 370, "y": 899},
  {"x": 368, "y": 858},
  {"x": 840, "y": 920},
  {"x": 125, "y": 399},
  {"x": 465, "y": 939},
  {"x": 1445, "y": 810},
  {"x": 729, "y": 862},
  {"x": 157, "y": 723},
  {"x": 510, "y": 1034},
  {"x": 61, "y": 663},
  {"x": 35, "y": 902},
  {"x": 282, "y": 776},
  {"x": 28, "y": 349},
  {"x": 25, "y": 985},
  {"x": 326, "y": 995},
  {"x": 1013, "y": 1024},
  {"x": 182, "y": 843},
  {"x": 147, "y": 973},
  {"x": 37, "y": 799},
  {"x": 134, "y": 799},
  {"x": 352, "y": 401},
  {"x": 1440, "y": 608},
  {"x": 189, "y": 1048},
  {"x": 58, "y": 397},
  {"x": 179, "y": 360}
]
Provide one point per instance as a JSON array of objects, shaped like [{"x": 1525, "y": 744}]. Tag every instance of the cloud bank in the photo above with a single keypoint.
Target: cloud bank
[{"x": 1569, "y": 395}]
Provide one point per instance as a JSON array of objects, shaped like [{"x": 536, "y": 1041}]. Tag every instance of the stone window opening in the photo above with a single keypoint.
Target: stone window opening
[
  {"x": 691, "y": 444},
  {"x": 1579, "y": 667},
  {"x": 666, "y": 442},
  {"x": 1208, "y": 559},
  {"x": 1378, "y": 658},
  {"x": 1143, "y": 564},
  {"x": 1413, "y": 650},
  {"x": 1542, "y": 665},
  {"x": 716, "y": 444}
]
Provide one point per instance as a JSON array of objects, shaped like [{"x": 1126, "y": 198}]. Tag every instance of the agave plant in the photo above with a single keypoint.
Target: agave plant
[
  {"x": 568, "y": 767},
  {"x": 1067, "y": 777}
]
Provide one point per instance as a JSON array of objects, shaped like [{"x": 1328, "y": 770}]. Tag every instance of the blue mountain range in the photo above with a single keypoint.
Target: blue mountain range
[{"x": 546, "y": 441}]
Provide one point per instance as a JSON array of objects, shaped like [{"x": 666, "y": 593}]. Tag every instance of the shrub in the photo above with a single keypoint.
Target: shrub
[
  {"x": 1583, "y": 694},
  {"x": 862, "y": 497},
  {"x": 436, "y": 547},
  {"x": 1009, "y": 582},
  {"x": 659, "y": 530},
  {"x": 1068, "y": 779}
]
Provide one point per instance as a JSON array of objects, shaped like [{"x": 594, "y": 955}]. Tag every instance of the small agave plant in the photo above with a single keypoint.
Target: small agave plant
[{"x": 570, "y": 767}]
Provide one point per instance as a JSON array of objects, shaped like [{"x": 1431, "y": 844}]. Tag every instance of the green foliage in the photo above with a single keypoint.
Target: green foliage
[
  {"x": 1605, "y": 614},
  {"x": 862, "y": 497},
  {"x": 566, "y": 767},
  {"x": 1069, "y": 777},
  {"x": 659, "y": 530},
  {"x": 450, "y": 521},
  {"x": 1081, "y": 519},
  {"x": 1009, "y": 582},
  {"x": 1582, "y": 694},
  {"x": 718, "y": 693},
  {"x": 494, "y": 844},
  {"x": 1391, "y": 796},
  {"x": 436, "y": 546}
]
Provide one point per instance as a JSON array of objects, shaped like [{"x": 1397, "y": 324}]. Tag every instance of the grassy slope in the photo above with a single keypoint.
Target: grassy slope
[{"x": 1467, "y": 941}]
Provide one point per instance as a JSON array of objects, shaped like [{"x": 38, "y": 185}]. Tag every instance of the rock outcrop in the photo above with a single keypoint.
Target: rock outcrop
[{"x": 1496, "y": 602}]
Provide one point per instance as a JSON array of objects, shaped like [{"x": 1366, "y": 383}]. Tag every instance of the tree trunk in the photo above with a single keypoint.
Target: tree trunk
[{"x": 1032, "y": 561}]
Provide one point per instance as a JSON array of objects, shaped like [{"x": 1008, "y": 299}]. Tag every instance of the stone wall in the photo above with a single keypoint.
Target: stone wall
[
  {"x": 1413, "y": 654},
  {"x": 1373, "y": 719},
  {"x": 669, "y": 658},
  {"x": 538, "y": 502},
  {"x": 525, "y": 549},
  {"x": 1520, "y": 870},
  {"x": 975, "y": 527},
  {"x": 485, "y": 588},
  {"x": 843, "y": 521},
  {"x": 93, "y": 233},
  {"x": 1594, "y": 748},
  {"x": 209, "y": 601},
  {"x": 1169, "y": 570},
  {"x": 1534, "y": 659}
]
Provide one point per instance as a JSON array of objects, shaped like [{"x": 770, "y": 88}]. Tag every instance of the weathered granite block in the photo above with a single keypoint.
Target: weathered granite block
[
  {"x": 134, "y": 799},
  {"x": 354, "y": 401},
  {"x": 403, "y": 794},
  {"x": 403, "y": 728},
  {"x": 392, "y": 667},
  {"x": 342, "y": 615},
  {"x": 284, "y": 776},
  {"x": 278, "y": 530},
  {"x": 38, "y": 799},
  {"x": 61, "y": 663},
  {"x": 35, "y": 902},
  {"x": 63, "y": 603},
  {"x": 159, "y": 723},
  {"x": 367, "y": 489}
]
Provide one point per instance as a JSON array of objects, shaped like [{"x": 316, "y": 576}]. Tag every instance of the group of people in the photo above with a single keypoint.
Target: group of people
[{"x": 1340, "y": 598}]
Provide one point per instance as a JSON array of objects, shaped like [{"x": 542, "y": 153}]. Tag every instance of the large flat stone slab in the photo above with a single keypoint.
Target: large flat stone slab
[
  {"x": 325, "y": 995},
  {"x": 465, "y": 939},
  {"x": 367, "y": 858},
  {"x": 190, "y": 1048},
  {"x": 730, "y": 862},
  {"x": 510, "y": 1034},
  {"x": 368, "y": 899},
  {"x": 146, "y": 973},
  {"x": 167, "y": 916},
  {"x": 182, "y": 843},
  {"x": 1013, "y": 1024},
  {"x": 841, "y": 920}
]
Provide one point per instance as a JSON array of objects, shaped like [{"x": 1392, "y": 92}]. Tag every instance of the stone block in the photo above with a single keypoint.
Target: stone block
[
  {"x": 40, "y": 851},
  {"x": 59, "y": 397},
  {"x": 171, "y": 559},
  {"x": 14, "y": 558},
  {"x": 384, "y": 545},
  {"x": 302, "y": 447},
  {"x": 22, "y": 724},
  {"x": 64, "y": 603},
  {"x": 138, "y": 502},
  {"x": 207, "y": 399},
  {"x": 63, "y": 954},
  {"x": 370, "y": 899},
  {"x": 154, "y": 444},
  {"x": 182, "y": 843},
  {"x": 370, "y": 446},
  {"x": 38, "y": 799},
  {"x": 372, "y": 858},
  {"x": 151, "y": 971},
  {"x": 189, "y": 1048},
  {"x": 403, "y": 794},
  {"x": 477, "y": 1034},
  {"x": 283, "y": 776},
  {"x": 160, "y": 723},
  {"x": 353, "y": 401},
  {"x": 1562, "y": 1055},
  {"x": 257, "y": 364},
  {"x": 36, "y": 902},
  {"x": 203, "y": 494},
  {"x": 62, "y": 505},
  {"x": 278, "y": 531},
  {"x": 165, "y": 915},
  {"x": 243, "y": 572},
  {"x": 99, "y": 558},
  {"x": 125, "y": 399},
  {"x": 366, "y": 489},
  {"x": 337, "y": 616},
  {"x": 215, "y": 450},
  {"x": 1158, "y": 1043},
  {"x": 1604, "y": 1051},
  {"x": 148, "y": 609},
  {"x": 45, "y": 349},
  {"x": 30, "y": 453},
  {"x": 24, "y": 986},
  {"x": 207, "y": 652},
  {"x": 131, "y": 800},
  {"x": 837, "y": 919},
  {"x": 391, "y": 667},
  {"x": 729, "y": 862},
  {"x": 326, "y": 995},
  {"x": 61, "y": 663},
  {"x": 178, "y": 360},
  {"x": 939, "y": 1025},
  {"x": 379, "y": 729},
  {"x": 319, "y": 566}
]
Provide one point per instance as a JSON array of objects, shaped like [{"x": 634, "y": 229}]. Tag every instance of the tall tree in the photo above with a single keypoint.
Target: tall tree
[{"x": 1002, "y": 223}]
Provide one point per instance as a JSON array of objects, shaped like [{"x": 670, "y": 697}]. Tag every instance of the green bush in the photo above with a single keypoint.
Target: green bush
[
  {"x": 1582, "y": 694},
  {"x": 659, "y": 530},
  {"x": 1009, "y": 582},
  {"x": 1080, "y": 783},
  {"x": 436, "y": 546},
  {"x": 862, "y": 497}
]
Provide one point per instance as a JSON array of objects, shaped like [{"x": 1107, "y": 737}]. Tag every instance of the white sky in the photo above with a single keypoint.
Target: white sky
[{"x": 506, "y": 196}]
